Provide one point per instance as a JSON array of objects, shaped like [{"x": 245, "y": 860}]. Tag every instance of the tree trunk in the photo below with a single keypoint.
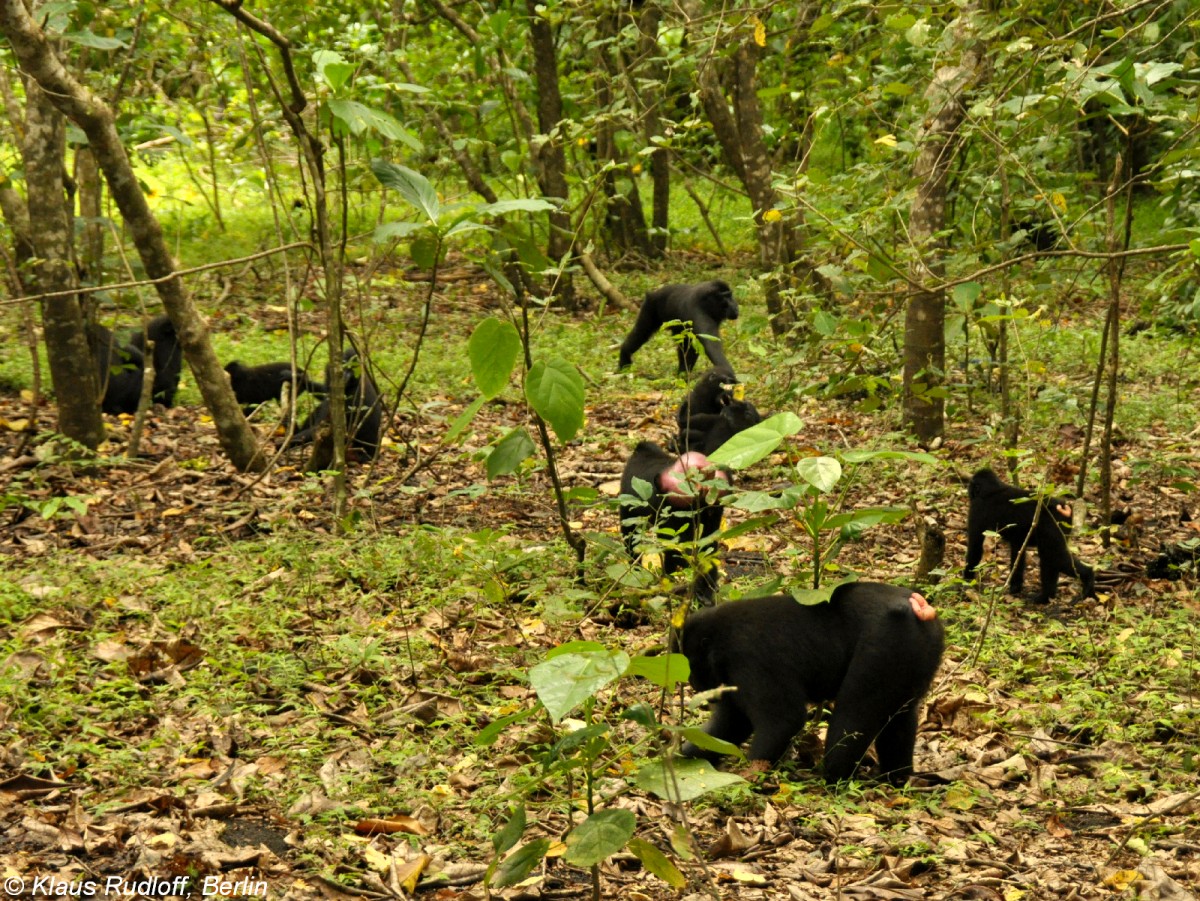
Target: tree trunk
[
  {"x": 739, "y": 132},
  {"x": 660, "y": 159},
  {"x": 738, "y": 127},
  {"x": 624, "y": 218},
  {"x": 548, "y": 148},
  {"x": 43, "y": 148},
  {"x": 83, "y": 108},
  {"x": 924, "y": 325},
  {"x": 88, "y": 189}
]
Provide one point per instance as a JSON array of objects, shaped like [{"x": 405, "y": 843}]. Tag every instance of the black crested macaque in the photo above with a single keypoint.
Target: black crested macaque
[
  {"x": 872, "y": 649},
  {"x": 118, "y": 370},
  {"x": 254, "y": 385},
  {"x": 713, "y": 412},
  {"x": 708, "y": 431},
  {"x": 1002, "y": 508},
  {"x": 1041, "y": 235},
  {"x": 712, "y": 391},
  {"x": 168, "y": 358},
  {"x": 364, "y": 411},
  {"x": 704, "y": 306},
  {"x": 681, "y": 507},
  {"x": 1175, "y": 560}
]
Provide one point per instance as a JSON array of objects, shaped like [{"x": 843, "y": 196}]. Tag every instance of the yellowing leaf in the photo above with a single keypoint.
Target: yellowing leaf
[
  {"x": 959, "y": 798},
  {"x": 388, "y": 825},
  {"x": 747, "y": 877},
  {"x": 377, "y": 860},
  {"x": 408, "y": 874},
  {"x": 760, "y": 31},
  {"x": 1121, "y": 879},
  {"x": 1013, "y": 894}
]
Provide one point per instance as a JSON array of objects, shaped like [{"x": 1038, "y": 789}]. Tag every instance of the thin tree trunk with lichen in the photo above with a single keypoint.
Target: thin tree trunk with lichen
[
  {"x": 924, "y": 325},
  {"x": 51, "y": 269},
  {"x": 648, "y": 19},
  {"x": 738, "y": 126},
  {"x": 550, "y": 158}
]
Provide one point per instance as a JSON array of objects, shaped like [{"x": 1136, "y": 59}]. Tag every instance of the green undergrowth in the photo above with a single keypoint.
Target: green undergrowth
[
  {"x": 277, "y": 625},
  {"x": 1088, "y": 679}
]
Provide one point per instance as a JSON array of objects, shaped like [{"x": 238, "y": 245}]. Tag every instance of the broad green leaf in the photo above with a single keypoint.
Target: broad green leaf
[
  {"x": 583, "y": 744},
  {"x": 510, "y": 452},
  {"x": 521, "y": 204},
  {"x": 359, "y": 117},
  {"x": 900, "y": 22},
  {"x": 332, "y": 68},
  {"x": 864, "y": 456},
  {"x": 93, "y": 40},
  {"x": 754, "y": 524},
  {"x": 665, "y": 670},
  {"x": 554, "y": 389},
  {"x": 811, "y": 596},
  {"x": 630, "y": 576},
  {"x": 966, "y": 294},
  {"x": 878, "y": 515},
  {"x": 489, "y": 733},
  {"x": 510, "y": 833},
  {"x": 464, "y": 418},
  {"x": 657, "y": 863},
  {"x": 336, "y": 75},
  {"x": 464, "y": 226},
  {"x": 391, "y": 231},
  {"x": 756, "y": 442},
  {"x": 407, "y": 87},
  {"x": 412, "y": 186},
  {"x": 757, "y": 501},
  {"x": 918, "y": 34},
  {"x": 600, "y": 836},
  {"x": 518, "y": 865},
  {"x": 686, "y": 780},
  {"x": 512, "y": 160},
  {"x": 578, "y": 646},
  {"x": 493, "y": 349},
  {"x": 820, "y": 472},
  {"x": 642, "y": 714},
  {"x": 581, "y": 494},
  {"x": 425, "y": 249},
  {"x": 706, "y": 742},
  {"x": 1152, "y": 73},
  {"x": 565, "y": 682}
]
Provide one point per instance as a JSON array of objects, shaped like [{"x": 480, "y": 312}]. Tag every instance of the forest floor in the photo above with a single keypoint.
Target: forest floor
[{"x": 1057, "y": 756}]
